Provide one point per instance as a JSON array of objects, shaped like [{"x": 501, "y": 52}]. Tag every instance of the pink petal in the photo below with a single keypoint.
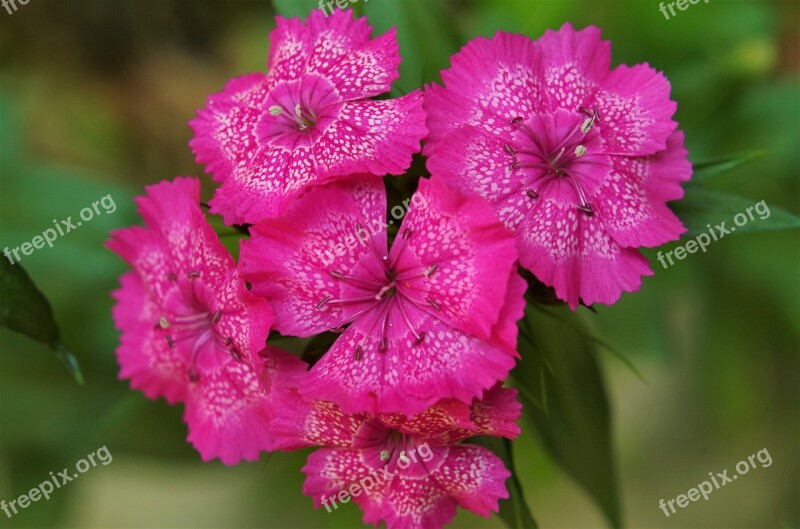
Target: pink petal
[
  {"x": 668, "y": 169},
  {"x": 442, "y": 423},
  {"x": 573, "y": 253},
  {"x": 144, "y": 358},
  {"x": 300, "y": 422},
  {"x": 635, "y": 110},
  {"x": 473, "y": 252},
  {"x": 266, "y": 187},
  {"x": 574, "y": 64},
  {"x": 474, "y": 477},
  {"x": 408, "y": 376},
  {"x": 628, "y": 213},
  {"x": 496, "y": 413},
  {"x": 504, "y": 332},
  {"x": 289, "y": 260},
  {"x": 376, "y": 137},
  {"x": 225, "y": 135},
  {"x": 331, "y": 470},
  {"x": 449, "y": 421},
  {"x": 228, "y": 414},
  {"x": 474, "y": 162},
  {"x": 338, "y": 47},
  {"x": 483, "y": 86}
]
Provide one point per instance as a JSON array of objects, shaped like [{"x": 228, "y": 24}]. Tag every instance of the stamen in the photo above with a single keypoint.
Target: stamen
[
  {"x": 385, "y": 455},
  {"x": 404, "y": 315},
  {"x": 217, "y": 316},
  {"x": 193, "y": 275},
  {"x": 431, "y": 269},
  {"x": 371, "y": 244},
  {"x": 370, "y": 283},
  {"x": 323, "y": 302},
  {"x": 403, "y": 457},
  {"x": 433, "y": 303},
  {"x": 401, "y": 248},
  {"x": 558, "y": 156},
  {"x": 198, "y": 345},
  {"x": 509, "y": 150},
  {"x": 170, "y": 342},
  {"x": 298, "y": 110},
  {"x": 275, "y": 110},
  {"x": 362, "y": 299},
  {"x": 383, "y": 291},
  {"x": 580, "y": 150},
  {"x": 531, "y": 193},
  {"x": 163, "y": 323}
]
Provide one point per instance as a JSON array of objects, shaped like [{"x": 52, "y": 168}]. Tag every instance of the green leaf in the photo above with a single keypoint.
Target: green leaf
[
  {"x": 24, "y": 309},
  {"x": 514, "y": 511},
  {"x": 701, "y": 207},
  {"x": 710, "y": 168},
  {"x": 559, "y": 364}
]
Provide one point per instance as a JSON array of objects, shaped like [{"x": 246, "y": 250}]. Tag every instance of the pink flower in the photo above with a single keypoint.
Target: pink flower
[
  {"x": 434, "y": 317},
  {"x": 578, "y": 159},
  {"x": 268, "y": 137},
  {"x": 191, "y": 331},
  {"x": 411, "y": 473}
]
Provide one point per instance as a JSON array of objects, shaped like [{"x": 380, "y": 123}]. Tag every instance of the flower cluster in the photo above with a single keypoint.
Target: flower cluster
[{"x": 540, "y": 156}]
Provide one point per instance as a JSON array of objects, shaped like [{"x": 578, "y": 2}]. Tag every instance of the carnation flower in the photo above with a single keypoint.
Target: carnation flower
[
  {"x": 269, "y": 137},
  {"x": 411, "y": 473},
  {"x": 191, "y": 331},
  {"x": 432, "y": 318},
  {"x": 578, "y": 159}
]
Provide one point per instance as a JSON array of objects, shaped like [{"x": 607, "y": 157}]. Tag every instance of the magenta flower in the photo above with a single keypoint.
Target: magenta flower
[
  {"x": 268, "y": 137},
  {"x": 434, "y": 317},
  {"x": 411, "y": 473},
  {"x": 191, "y": 331},
  {"x": 579, "y": 160}
]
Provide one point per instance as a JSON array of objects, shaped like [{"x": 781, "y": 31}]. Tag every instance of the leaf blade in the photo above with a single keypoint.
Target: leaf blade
[
  {"x": 25, "y": 309},
  {"x": 701, "y": 207},
  {"x": 714, "y": 167},
  {"x": 575, "y": 427}
]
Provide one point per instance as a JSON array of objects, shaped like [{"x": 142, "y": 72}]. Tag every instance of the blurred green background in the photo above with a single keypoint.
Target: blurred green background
[{"x": 94, "y": 100}]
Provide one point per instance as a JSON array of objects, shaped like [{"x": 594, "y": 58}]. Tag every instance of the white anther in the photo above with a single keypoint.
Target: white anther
[
  {"x": 580, "y": 150},
  {"x": 275, "y": 110}
]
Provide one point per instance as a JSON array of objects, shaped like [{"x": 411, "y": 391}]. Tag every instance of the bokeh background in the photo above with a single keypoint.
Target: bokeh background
[{"x": 94, "y": 100}]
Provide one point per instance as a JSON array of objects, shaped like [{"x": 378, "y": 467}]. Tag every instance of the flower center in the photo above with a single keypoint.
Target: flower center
[
  {"x": 382, "y": 297},
  {"x": 384, "y": 446},
  {"x": 300, "y": 118},
  {"x": 297, "y": 112},
  {"x": 187, "y": 321},
  {"x": 554, "y": 151}
]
